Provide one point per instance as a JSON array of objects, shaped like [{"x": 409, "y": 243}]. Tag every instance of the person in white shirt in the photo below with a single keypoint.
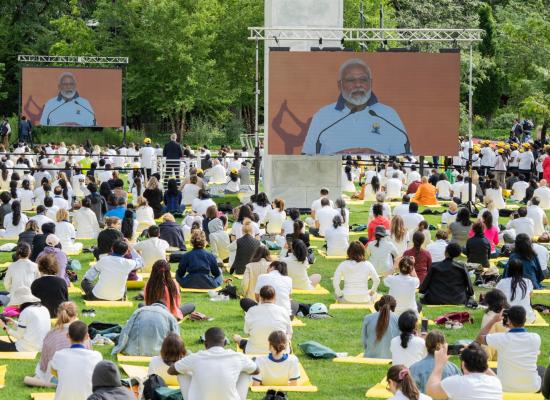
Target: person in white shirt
[
  {"x": 278, "y": 368},
  {"x": 522, "y": 224},
  {"x": 526, "y": 161},
  {"x": 399, "y": 235},
  {"x": 323, "y": 218},
  {"x": 538, "y": 216},
  {"x": 21, "y": 272},
  {"x": 449, "y": 216},
  {"x": 457, "y": 186},
  {"x": 337, "y": 238},
  {"x": 85, "y": 221},
  {"x": 261, "y": 320},
  {"x": 297, "y": 266},
  {"x": 275, "y": 217},
  {"x": 147, "y": 156},
  {"x": 412, "y": 218},
  {"x": 145, "y": 216},
  {"x": 231, "y": 370},
  {"x": 26, "y": 196},
  {"x": 277, "y": 277},
  {"x": 58, "y": 200},
  {"x": 219, "y": 238},
  {"x": 517, "y": 349},
  {"x": 464, "y": 190},
  {"x": 518, "y": 289},
  {"x": 355, "y": 272},
  {"x": 519, "y": 189},
  {"x": 51, "y": 209},
  {"x": 316, "y": 205},
  {"x": 32, "y": 325},
  {"x": 407, "y": 348},
  {"x": 14, "y": 222},
  {"x": 386, "y": 210},
  {"x": 543, "y": 256},
  {"x": 478, "y": 382},
  {"x": 403, "y": 208},
  {"x": 152, "y": 249},
  {"x": 401, "y": 384},
  {"x": 437, "y": 248},
  {"x": 261, "y": 206},
  {"x": 393, "y": 187},
  {"x": 74, "y": 366},
  {"x": 494, "y": 193},
  {"x": 489, "y": 206},
  {"x": 40, "y": 218},
  {"x": 190, "y": 191},
  {"x": 113, "y": 271},
  {"x": 216, "y": 174},
  {"x": 382, "y": 252},
  {"x": 402, "y": 287},
  {"x": 543, "y": 193},
  {"x": 200, "y": 204},
  {"x": 443, "y": 188},
  {"x": 172, "y": 350},
  {"x": 412, "y": 175},
  {"x": 66, "y": 233}
]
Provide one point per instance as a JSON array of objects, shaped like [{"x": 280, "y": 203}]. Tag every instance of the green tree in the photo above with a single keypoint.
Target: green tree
[{"x": 74, "y": 36}]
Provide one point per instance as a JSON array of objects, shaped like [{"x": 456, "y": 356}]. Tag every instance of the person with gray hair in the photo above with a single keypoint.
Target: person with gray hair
[
  {"x": 68, "y": 108},
  {"x": 357, "y": 123}
]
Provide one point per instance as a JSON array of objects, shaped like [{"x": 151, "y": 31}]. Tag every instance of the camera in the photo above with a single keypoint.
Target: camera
[{"x": 505, "y": 316}]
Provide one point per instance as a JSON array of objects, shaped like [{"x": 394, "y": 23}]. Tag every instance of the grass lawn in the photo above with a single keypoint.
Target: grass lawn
[{"x": 341, "y": 333}]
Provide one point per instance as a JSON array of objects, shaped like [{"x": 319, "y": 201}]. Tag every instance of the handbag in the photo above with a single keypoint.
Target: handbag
[{"x": 458, "y": 316}]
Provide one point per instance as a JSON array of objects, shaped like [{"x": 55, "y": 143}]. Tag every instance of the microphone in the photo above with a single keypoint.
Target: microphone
[
  {"x": 87, "y": 109},
  {"x": 318, "y": 143},
  {"x": 50, "y": 113},
  {"x": 407, "y": 143}
]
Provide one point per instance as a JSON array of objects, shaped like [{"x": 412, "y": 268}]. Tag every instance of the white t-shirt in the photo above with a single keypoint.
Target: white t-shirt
[
  {"x": 517, "y": 360},
  {"x": 403, "y": 289},
  {"x": 32, "y": 327},
  {"x": 412, "y": 176},
  {"x": 200, "y": 206},
  {"x": 74, "y": 367},
  {"x": 400, "y": 396},
  {"x": 393, "y": 188},
  {"x": 543, "y": 193},
  {"x": 519, "y": 190},
  {"x": 316, "y": 205},
  {"x": 356, "y": 281},
  {"x": 437, "y": 250},
  {"x": 522, "y": 225},
  {"x": 537, "y": 215},
  {"x": 448, "y": 218},
  {"x": 542, "y": 255},
  {"x": 261, "y": 211},
  {"x": 113, "y": 272},
  {"x": 281, "y": 284},
  {"x": 215, "y": 373},
  {"x": 526, "y": 159},
  {"x": 456, "y": 187},
  {"x": 477, "y": 386},
  {"x": 411, "y": 221},
  {"x": 12, "y": 231},
  {"x": 274, "y": 220},
  {"x": 277, "y": 372},
  {"x": 158, "y": 367},
  {"x": 189, "y": 193},
  {"x": 325, "y": 216},
  {"x": 505, "y": 285},
  {"x": 443, "y": 188},
  {"x": 237, "y": 230},
  {"x": 464, "y": 192},
  {"x": 402, "y": 245},
  {"x": 382, "y": 256},
  {"x": 415, "y": 351},
  {"x": 22, "y": 272},
  {"x": 337, "y": 241},
  {"x": 152, "y": 250},
  {"x": 401, "y": 209},
  {"x": 260, "y": 321}
]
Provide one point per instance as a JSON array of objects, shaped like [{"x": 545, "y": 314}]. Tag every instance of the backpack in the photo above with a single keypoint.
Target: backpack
[
  {"x": 150, "y": 385},
  {"x": 274, "y": 395}
]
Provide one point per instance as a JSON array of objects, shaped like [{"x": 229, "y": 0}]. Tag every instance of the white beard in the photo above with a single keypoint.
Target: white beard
[
  {"x": 357, "y": 100},
  {"x": 68, "y": 94}
]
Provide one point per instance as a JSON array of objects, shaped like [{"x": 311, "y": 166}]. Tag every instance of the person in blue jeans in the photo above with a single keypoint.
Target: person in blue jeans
[{"x": 198, "y": 268}]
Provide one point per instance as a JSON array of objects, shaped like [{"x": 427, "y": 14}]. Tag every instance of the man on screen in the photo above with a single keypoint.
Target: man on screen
[
  {"x": 357, "y": 123},
  {"x": 68, "y": 108}
]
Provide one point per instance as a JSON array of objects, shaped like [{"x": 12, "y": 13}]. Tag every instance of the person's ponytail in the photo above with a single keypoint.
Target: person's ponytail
[
  {"x": 384, "y": 306},
  {"x": 66, "y": 313},
  {"x": 404, "y": 381}
]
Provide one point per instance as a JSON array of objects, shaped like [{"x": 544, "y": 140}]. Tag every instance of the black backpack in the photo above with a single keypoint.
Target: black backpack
[
  {"x": 150, "y": 385},
  {"x": 275, "y": 395}
]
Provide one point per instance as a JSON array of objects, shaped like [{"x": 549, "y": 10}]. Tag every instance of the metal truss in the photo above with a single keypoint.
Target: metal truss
[
  {"x": 367, "y": 35},
  {"x": 71, "y": 59}
]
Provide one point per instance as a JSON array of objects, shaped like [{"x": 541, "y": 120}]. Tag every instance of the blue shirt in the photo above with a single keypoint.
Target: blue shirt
[
  {"x": 531, "y": 269},
  {"x": 381, "y": 348},
  {"x": 359, "y": 133},
  {"x": 421, "y": 371},
  {"x": 74, "y": 112},
  {"x": 116, "y": 212}
]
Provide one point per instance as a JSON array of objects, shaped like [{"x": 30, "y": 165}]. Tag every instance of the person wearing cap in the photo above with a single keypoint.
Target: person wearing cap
[
  {"x": 487, "y": 157},
  {"x": 52, "y": 243},
  {"x": 500, "y": 166},
  {"x": 233, "y": 183},
  {"x": 147, "y": 157},
  {"x": 32, "y": 326},
  {"x": 382, "y": 252}
]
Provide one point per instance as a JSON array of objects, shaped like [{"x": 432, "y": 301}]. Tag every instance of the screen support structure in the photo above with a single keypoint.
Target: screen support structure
[
  {"x": 69, "y": 61},
  {"x": 450, "y": 36}
]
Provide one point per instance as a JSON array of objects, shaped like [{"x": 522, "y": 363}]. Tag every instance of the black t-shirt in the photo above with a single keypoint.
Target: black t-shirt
[{"x": 52, "y": 291}]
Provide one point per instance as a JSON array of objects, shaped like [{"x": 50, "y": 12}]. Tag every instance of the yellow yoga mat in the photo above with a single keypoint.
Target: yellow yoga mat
[
  {"x": 135, "y": 359},
  {"x": 135, "y": 284},
  {"x": 540, "y": 321},
  {"x": 351, "y": 306},
  {"x": 318, "y": 290},
  {"x": 18, "y": 355},
  {"x": 359, "y": 359},
  {"x": 74, "y": 290},
  {"x": 43, "y": 396},
  {"x": 379, "y": 390},
  {"x": 541, "y": 291},
  {"x": 304, "y": 385},
  {"x": 108, "y": 304},
  {"x": 522, "y": 396},
  {"x": 73, "y": 253},
  {"x": 544, "y": 281},
  {"x": 140, "y": 371},
  {"x": 237, "y": 276},
  {"x": 323, "y": 253},
  {"x": 3, "y": 369},
  {"x": 191, "y": 290},
  {"x": 297, "y": 322}
]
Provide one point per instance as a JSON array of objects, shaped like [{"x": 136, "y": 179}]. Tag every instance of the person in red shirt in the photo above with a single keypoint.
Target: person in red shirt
[
  {"x": 422, "y": 258},
  {"x": 378, "y": 220}
]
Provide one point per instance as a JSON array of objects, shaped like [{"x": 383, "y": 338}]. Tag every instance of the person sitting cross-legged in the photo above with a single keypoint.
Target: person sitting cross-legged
[
  {"x": 106, "y": 383},
  {"x": 517, "y": 352},
  {"x": 261, "y": 320},
  {"x": 231, "y": 369},
  {"x": 278, "y": 368},
  {"x": 198, "y": 268},
  {"x": 402, "y": 385},
  {"x": 172, "y": 350},
  {"x": 379, "y": 328},
  {"x": 74, "y": 366},
  {"x": 112, "y": 272}
]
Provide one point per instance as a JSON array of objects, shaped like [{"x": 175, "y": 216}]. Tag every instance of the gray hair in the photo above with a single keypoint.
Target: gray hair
[
  {"x": 354, "y": 62},
  {"x": 66, "y": 74}
]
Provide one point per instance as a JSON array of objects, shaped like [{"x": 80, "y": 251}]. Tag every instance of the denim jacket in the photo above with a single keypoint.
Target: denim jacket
[{"x": 145, "y": 330}]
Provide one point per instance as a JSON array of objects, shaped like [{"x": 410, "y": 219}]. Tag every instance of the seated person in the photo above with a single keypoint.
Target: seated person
[
  {"x": 31, "y": 230},
  {"x": 112, "y": 272},
  {"x": 297, "y": 264},
  {"x": 106, "y": 383},
  {"x": 337, "y": 237},
  {"x": 379, "y": 328},
  {"x": 518, "y": 351},
  {"x": 421, "y": 370},
  {"x": 517, "y": 289},
  {"x": 407, "y": 348},
  {"x": 108, "y": 236},
  {"x": 244, "y": 248},
  {"x": 219, "y": 238},
  {"x": 55, "y": 340},
  {"x": 523, "y": 251},
  {"x": 172, "y": 232},
  {"x": 447, "y": 281},
  {"x": 261, "y": 320},
  {"x": 402, "y": 385},
  {"x": 172, "y": 350},
  {"x": 198, "y": 268},
  {"x": 355, "y": 272},
  {"x": 478, "y": 247},
  {"x": 402, "y": 287},
  {"x": 22, "y": 272},
  {"x": 66, "y": 232},
  {"x": 278, "y": 368},
  {"x": 52, "y": 247},
  {"x": 85, "y": 221},
  {"x": 32, "y": 325},
  {"x": 495, "y": 300},
  {"x": 39, "y": 240},
  {"x": 50, "y": 288},
  {"x": 145, "y": 331},
  {"x": 152, "y": 249},
  {"x": 425, "y": 193}
]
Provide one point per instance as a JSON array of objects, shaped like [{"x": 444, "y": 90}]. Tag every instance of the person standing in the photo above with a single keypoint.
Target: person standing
[
  {"x": 172, "y": 151},
  {"x": 5, "y": 130},
  {"x": 147, "y": 157},
  {"x": 25, "y": 130}
]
